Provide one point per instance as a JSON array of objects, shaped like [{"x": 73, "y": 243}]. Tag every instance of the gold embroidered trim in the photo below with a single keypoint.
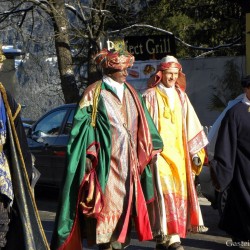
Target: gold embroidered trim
[
  {"x": 95, "y": 103},
  {"x": 17, "y": 111},
  {"x": 9, "y": 113}
]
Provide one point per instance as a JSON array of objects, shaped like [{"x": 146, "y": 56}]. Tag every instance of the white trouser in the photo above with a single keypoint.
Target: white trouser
[{"x": 174, "y": 238}]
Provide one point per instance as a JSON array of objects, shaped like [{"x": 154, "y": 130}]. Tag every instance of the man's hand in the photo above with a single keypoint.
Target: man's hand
[
  {"x": 88, "y": 165},
  {"x": 153, "y": 160},
  {"x": 197, "y": 161}
]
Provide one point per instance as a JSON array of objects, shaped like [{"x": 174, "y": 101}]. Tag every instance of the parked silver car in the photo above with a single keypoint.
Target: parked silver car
[{"x": 47, "y": 139}]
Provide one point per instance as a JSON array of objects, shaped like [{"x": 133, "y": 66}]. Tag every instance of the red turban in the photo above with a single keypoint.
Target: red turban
[
  {"x": 168, "y": 62},
  {"x": 114, "y": 59}
]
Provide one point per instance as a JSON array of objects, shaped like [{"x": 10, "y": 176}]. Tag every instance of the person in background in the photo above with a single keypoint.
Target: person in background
[
  {"x": 112, "y": 141},
  {"x": 212, "y": 137},
  {"x": 213, "y": 132},
  {"x": 20, "y": 225},
  {"x": 230, "y": 167},
  {"x": 176, "y": 209}
]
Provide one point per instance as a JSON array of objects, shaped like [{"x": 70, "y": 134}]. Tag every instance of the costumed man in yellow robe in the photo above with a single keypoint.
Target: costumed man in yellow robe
[
  {"x": 112, "y": 141},
  {"x": 176, "y": 209}
]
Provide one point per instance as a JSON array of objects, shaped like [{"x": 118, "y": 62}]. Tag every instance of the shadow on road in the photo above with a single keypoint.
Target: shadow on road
[
  {"x": 205, "y": 244},
  {"x": 211, "y": 220},
  {"x": 214, "y": 239},
  {"x": 46, "y": 198}
]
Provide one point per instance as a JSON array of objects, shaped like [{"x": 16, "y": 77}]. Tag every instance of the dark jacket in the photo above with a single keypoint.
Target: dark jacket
[{"x": 25, "y": 228}]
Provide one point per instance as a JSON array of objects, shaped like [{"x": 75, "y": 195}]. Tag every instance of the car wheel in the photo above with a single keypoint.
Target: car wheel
[{"x": 222, "y": 198}]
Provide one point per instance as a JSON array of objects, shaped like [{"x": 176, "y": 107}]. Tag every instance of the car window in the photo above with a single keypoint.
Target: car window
[
  {"x": 50, "y": 124},
  {"x": 69, "y": 123}
]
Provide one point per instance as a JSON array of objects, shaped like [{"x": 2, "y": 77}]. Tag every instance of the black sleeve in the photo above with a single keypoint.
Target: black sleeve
[
  {"x": 225, "y": 151},
  {"x": 21, "y": 136}
]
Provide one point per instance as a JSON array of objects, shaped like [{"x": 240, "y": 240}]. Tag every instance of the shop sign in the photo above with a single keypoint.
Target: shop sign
[{"x": 148, "y": 47}]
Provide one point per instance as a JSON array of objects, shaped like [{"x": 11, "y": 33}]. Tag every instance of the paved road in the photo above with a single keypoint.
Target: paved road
[{"x": 214, "y": 239}]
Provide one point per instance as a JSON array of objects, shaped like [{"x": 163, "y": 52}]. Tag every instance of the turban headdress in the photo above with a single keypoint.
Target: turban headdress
[
  {"x": 166, "y": 63},
  {"x": 117, "y": 60}
]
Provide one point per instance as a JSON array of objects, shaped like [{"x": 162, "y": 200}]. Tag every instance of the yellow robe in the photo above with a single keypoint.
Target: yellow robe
[{"x": 182, "y": 136}]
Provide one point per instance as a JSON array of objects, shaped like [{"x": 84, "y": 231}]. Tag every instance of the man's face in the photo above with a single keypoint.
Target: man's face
[
  {"x": 169, "y": 77},
  {"x": 119, "y": 75}
]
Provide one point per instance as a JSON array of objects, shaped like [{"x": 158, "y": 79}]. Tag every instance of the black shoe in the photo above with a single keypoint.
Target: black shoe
[
  {"x": 176, "y": 246},
  {"x": 161, "y": 246},
  {"x": 105, "y": 246}
]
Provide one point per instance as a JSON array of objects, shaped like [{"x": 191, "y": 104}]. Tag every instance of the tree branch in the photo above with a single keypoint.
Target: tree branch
[{"x": 178, "y": 39}]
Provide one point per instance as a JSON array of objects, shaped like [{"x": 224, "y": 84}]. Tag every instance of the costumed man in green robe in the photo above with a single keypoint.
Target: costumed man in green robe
[
  {"x": 108, "y": 181},
  {"x": 20, "y": 225}
]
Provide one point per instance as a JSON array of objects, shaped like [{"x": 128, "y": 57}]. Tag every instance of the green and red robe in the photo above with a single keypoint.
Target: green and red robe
[{"x": 120, "y": 138}]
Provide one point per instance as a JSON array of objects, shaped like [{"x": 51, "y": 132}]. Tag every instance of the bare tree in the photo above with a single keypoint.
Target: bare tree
[
  {"x": 76, "y": 27},
  {"x": 57, "y": 12},
  {"x": 70, "y": 30},
  {"x": 23, "y": 14}
]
